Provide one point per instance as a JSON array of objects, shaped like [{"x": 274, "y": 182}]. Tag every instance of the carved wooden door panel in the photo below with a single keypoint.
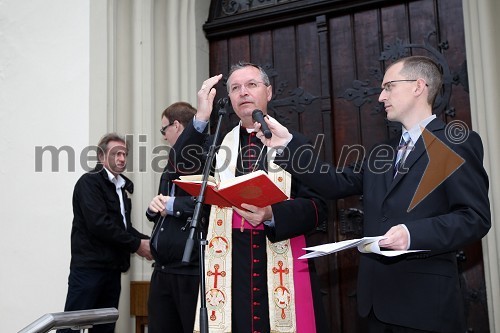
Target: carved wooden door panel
[{"x": 326, "y": 60}]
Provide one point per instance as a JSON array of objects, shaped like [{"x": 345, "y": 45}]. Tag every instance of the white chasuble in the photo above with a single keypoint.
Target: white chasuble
[{"x": 218, "y": 254}]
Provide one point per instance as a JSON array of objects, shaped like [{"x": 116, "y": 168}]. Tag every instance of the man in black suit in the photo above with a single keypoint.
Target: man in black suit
[
  {"x": 430, "y": 192},
  {"x": 174, "y": 285}
]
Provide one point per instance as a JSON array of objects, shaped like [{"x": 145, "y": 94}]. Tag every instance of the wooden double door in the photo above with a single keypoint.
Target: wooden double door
[{"x": 326, "y": 60}]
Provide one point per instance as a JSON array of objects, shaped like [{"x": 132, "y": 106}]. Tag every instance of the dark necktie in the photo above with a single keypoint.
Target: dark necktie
[{"x": 402, "y": 152}]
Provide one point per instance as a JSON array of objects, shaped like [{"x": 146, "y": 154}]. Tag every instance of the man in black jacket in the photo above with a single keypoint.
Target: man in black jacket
[
  {"x": 174, "y": 285},
  {"x": 102, "y": 235}
]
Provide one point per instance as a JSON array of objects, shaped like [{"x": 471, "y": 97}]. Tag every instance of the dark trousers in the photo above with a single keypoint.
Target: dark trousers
[
  {"x": 93, "y": 289},
  {"x": 172, "y": 302},
  {"x": 376, "y": 326}
]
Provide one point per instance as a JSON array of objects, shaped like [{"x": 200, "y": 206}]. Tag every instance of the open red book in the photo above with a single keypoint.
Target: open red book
[{"x": 254, "y": 188}]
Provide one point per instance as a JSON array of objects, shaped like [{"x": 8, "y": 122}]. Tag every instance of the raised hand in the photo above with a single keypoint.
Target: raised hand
[{"x": 206, "y": 96}]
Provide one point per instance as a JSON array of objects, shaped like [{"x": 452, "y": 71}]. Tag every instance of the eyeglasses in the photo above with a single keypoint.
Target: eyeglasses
[
  {"x": 250, "y": 85},
  {"x": 164, "y": 128},
  {"x": 387, "y": 86}
]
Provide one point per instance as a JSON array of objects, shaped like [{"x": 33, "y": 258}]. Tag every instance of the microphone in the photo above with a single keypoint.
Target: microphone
[
  {"x": 222, "y": 102},
  {"x": 258, "y": 116}
]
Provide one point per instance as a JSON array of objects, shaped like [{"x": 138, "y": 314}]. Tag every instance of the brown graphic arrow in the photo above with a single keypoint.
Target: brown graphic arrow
[{"x": 443, "y": 162}]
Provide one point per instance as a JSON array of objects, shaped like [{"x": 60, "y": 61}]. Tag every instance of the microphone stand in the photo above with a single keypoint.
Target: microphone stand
[{"x": 196, "y": 218}]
